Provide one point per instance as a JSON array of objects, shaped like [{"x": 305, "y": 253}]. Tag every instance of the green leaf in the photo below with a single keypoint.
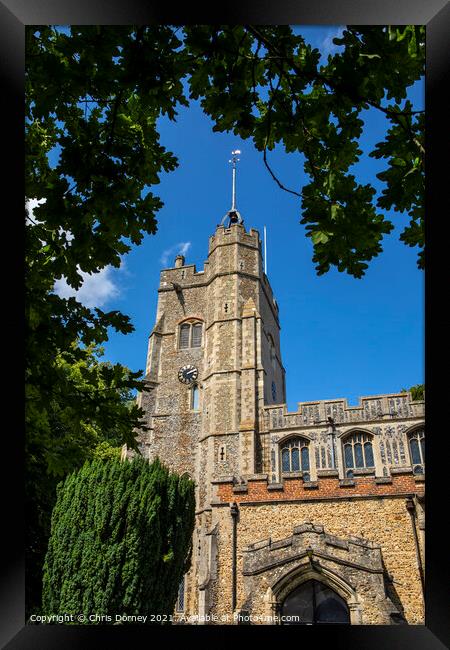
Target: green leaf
[
  {"x": 319, "y": 237},
  {"x": 398, "y": 162}
]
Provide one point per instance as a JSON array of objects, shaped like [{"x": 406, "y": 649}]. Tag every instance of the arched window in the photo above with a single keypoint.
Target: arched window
[
  {"x": 358, "y": 452},
  {"x": 190, "y": 335},
  {"x": 416, "y": 441},
  {"x": 194, "y": 398},
  {"x": 314, "y": 603},
  {"x": 295, "y": 456}
]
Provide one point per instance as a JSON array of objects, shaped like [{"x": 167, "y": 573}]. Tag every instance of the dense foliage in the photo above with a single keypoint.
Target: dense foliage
[
  {"x": 120, "y": 540},
  {"x": 266, "y": 83},
  {"x": 90, "y": 414}
]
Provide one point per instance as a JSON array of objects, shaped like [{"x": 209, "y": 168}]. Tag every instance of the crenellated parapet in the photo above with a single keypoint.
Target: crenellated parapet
[
  {"x": 392, "y": 406},
  {"x": 235, "y": 234},
  {"x": 184, "y": 276},
  {"x": 381, "y": 436}
]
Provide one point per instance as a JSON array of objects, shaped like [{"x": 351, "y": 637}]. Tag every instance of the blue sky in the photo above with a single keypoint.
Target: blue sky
[{"x": 340, "y": 336}]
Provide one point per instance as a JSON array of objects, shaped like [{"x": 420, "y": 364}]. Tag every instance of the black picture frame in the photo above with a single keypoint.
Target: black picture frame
[{"x": 435, "y": 14}]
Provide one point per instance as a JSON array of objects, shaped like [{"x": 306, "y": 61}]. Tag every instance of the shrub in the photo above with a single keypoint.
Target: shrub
[{"x": 120, "y": 540}]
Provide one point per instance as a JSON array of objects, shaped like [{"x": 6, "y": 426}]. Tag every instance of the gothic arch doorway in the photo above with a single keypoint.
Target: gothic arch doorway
[{"x": 314, "y": 603}]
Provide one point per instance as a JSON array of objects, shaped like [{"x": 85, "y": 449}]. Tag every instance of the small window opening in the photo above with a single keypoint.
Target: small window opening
[
  {"x": 194, "y": 398},
  {"x": 180, "y": 599}
]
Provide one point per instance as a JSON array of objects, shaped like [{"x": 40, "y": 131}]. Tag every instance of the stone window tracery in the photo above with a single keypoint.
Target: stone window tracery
[
  {"x": 295, "y": 456},
  {"x": 358, "y": 452},
  {"x": 416, "y": 441},
  {"x": 190, "y": 335}
]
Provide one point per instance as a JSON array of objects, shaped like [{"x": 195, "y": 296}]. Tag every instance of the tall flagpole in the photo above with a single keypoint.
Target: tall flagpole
[
  {"x": 233, "y": 161},
  {"x": 233, "y": 215}
]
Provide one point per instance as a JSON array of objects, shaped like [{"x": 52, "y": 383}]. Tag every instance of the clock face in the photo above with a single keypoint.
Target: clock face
[{"x": 187, "y": 374}]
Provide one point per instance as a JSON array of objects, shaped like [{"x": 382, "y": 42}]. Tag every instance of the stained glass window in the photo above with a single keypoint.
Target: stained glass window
[
  {"x": 305, "y": 458},
  {"x": 295, "y": 455},
  {"x": 415, "y": 453},
  {"x": 417, "y": 448},
  {"x": 348, "y": 452},
  {"x": 369, "y": 454},
  {"x": 358, "y": 452},
  {"x": 359, "y": 460}
]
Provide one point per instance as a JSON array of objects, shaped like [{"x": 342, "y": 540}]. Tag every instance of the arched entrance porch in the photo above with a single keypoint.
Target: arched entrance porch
[
  {"x": 314, "y": 603},
  {"x": 312, "y": 595}
]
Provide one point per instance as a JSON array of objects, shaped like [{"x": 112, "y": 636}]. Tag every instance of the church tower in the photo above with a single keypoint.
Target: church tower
[
  {"x": 216, "y": 409},
  {"x": 213, "y": 363},
  {"x": 214, "y": 358}
]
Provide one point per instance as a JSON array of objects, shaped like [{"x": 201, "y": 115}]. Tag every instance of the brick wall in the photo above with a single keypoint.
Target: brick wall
[{"x": 324, "y": 488}]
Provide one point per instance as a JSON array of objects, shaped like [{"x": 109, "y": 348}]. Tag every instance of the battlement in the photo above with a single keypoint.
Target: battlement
[
  {"x": 234, "y": 234},
  {"x": 388, "y": 406},
  {"x": 183, "y": 275}
]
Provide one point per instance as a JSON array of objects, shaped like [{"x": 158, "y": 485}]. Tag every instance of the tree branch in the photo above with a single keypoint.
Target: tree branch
[
  {"x": 274, "y": 177},
  {"x": 269, "y": 126},
  {"x": 326, "y": 81}
]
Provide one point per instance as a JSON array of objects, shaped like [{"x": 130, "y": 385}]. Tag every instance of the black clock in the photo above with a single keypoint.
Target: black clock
[{"x": 187, "y": 374}]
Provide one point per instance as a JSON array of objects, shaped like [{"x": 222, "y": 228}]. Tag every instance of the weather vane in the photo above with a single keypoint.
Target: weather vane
[{"x": 233, "y": 215}]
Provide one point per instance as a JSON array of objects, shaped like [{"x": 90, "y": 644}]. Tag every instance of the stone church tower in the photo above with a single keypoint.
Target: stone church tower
[{"x": 323, "y": 506}]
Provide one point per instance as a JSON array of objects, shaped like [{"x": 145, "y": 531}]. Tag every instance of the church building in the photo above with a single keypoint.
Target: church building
[{"x": 311, "y": 517}]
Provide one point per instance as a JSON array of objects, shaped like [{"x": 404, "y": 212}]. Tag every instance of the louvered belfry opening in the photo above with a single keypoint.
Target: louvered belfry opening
[
  {"x": 196, "y": 335},
  {"x": 190, "y": 335}
]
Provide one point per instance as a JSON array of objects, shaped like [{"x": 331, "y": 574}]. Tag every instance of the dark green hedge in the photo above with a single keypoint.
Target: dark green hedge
[{"x": 120, "y": 540}]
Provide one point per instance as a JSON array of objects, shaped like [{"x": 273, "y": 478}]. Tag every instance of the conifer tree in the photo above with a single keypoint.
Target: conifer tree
[{"x": 120, "y": 540}]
